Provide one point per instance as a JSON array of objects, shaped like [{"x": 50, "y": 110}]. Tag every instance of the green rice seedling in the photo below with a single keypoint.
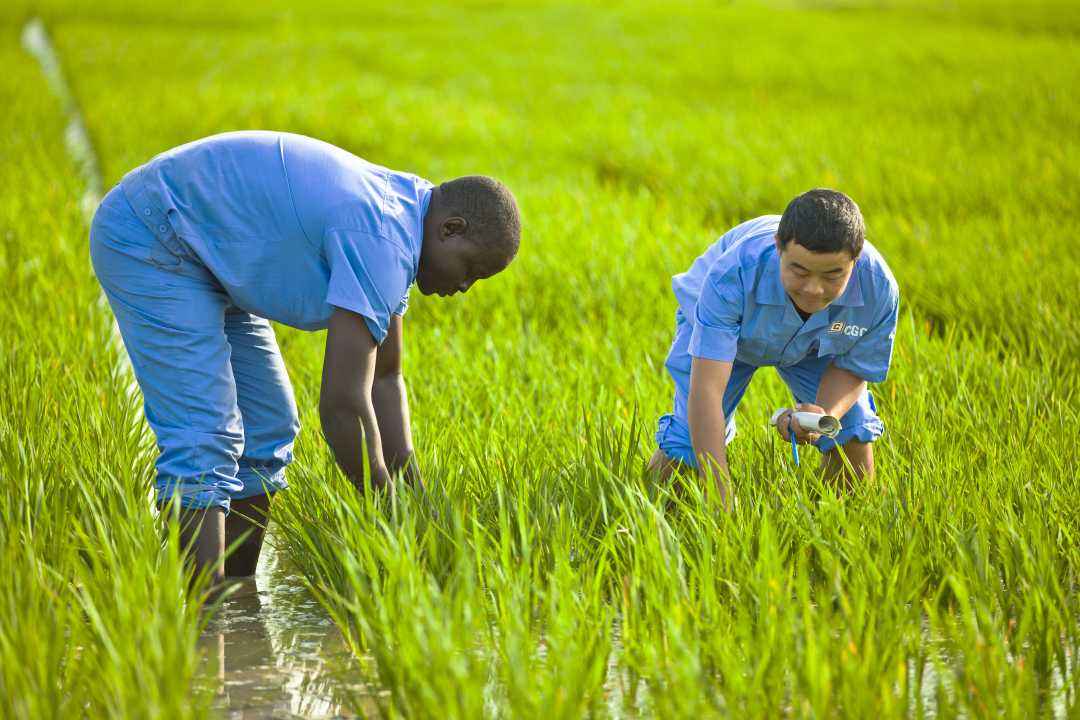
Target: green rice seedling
[{"x": 540, "y": 573}]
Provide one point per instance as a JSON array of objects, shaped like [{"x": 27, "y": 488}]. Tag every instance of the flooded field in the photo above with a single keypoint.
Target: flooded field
[
  {"x": 543, "y": 575},
  {"x": 274, "y": 652}
]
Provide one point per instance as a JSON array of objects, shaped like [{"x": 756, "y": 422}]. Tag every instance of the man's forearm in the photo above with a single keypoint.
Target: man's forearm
[
  {"x": 839, "y": 390},
  {"x": 708, "y": 426},
  {"x": 391, "y": 403},
  {"x": 708, "y": 430}
]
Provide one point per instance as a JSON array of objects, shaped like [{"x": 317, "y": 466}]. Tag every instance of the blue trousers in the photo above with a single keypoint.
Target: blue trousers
[{"x": 214, "y": 385}]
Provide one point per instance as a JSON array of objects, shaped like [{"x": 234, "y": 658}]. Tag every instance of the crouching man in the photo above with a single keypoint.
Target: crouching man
[{"x": 803, "y": 292}]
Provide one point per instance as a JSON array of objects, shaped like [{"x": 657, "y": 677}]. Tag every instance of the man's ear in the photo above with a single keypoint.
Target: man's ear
[
  {"x": 453, "y": 226},
  {"x": 779, "y": 247}
]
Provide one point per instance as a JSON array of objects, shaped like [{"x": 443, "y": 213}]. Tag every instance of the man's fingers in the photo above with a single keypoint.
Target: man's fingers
[
  {"x": 802, "y": 435},
  {"x": 805, "y": 437},
  {"x": 783, "y": 425}
]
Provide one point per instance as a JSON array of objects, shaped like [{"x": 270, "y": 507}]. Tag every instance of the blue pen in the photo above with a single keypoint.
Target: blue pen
[{"x": 794, "y": 446}]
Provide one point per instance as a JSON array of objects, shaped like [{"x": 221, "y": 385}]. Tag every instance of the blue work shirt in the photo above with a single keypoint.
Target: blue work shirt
[
  {"x": 739, "y": 310},
  {"x": 290, "y": 226}
]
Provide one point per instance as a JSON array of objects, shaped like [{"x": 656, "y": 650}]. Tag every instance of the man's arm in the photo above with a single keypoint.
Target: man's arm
[
  {"x": 838, "y": 391},
  {"x": 345, "y": 405},
  {"x": 708, "y": 426},
  {"x": 391, "y": 403}
]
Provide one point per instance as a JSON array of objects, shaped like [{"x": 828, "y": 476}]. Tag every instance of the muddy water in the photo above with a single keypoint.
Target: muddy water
[{"x": 273, "y": 652}]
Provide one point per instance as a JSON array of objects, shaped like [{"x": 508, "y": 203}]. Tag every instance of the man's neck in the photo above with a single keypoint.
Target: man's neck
[{"x": 802, "y": 314}]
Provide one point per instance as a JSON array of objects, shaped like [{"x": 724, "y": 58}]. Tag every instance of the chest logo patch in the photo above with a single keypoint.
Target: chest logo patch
[{"x": 839, "y": 328}]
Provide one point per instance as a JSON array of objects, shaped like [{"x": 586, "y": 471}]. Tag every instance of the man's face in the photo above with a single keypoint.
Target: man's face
[
  {"x": 450, "y": 266},
  {"x": 444, "y": 273},
  {"x": 813, "y": 280}
]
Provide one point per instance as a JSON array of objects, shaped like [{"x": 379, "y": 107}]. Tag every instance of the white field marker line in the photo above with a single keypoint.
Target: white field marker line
[{"x": 36, "y": 41}]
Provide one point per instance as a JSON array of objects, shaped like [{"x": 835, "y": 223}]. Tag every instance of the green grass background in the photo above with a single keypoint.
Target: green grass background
[{"x": 542, "y": 576}]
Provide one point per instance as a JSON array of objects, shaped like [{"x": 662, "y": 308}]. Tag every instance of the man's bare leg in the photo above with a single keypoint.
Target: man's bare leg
[
  {"x": 861, "y": 457},
  {"x": 202, "y": 533},
  {"x": 248, "y": 516}
]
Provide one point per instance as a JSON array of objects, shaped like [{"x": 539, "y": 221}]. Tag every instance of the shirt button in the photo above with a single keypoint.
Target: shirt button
[
  {"x": 146, "y": 212},
  {"x": 162, "y": 228}
]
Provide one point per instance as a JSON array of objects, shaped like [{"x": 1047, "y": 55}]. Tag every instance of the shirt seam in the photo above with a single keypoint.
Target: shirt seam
[
  {"x": 383, "y": 203},
  {"x": 733, "y": 270},
  {"x": 288, "y": 186},
  {"x": 878, "y": 272},
  {"x": 379, "y": 236}
]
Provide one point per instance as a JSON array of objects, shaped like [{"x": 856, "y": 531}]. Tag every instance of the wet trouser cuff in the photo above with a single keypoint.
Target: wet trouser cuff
[
  {"x": 194, "y": 494},
  {"x": 201, "y": 495},
  {"x": 260, "y": 480}
]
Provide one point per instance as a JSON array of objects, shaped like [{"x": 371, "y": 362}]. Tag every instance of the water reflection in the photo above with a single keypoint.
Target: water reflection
[{"x": 275, "y": 653}]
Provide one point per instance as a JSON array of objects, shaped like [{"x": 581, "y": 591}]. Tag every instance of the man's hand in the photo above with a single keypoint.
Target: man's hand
[
  {"x": 380, "y": 478},
  {"x": 785, "y": 424}
]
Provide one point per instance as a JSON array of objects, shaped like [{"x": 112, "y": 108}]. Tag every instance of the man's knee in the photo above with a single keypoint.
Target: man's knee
[
  {"x": 293, "y": 418},
  {"x": 285, "y": 426},
  {"x": 273, "y": 437}
]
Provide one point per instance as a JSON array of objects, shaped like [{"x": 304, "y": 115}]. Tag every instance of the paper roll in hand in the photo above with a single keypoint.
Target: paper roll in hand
[{"x": 814, "y": 422}]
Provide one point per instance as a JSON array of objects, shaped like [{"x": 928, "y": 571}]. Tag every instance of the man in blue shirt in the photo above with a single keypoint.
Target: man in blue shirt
[
  {"x": 201, "y": 247},
  {"x": 803, "y": 292}
]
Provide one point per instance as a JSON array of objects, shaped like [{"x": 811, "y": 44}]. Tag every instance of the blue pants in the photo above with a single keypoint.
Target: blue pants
[
  {"x": 214, "y": 386},
  {"x": 860, "y": 423}
]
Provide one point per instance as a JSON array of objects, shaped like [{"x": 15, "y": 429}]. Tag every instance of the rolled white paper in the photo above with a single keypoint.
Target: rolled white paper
[{"x": 814, "y": 422}]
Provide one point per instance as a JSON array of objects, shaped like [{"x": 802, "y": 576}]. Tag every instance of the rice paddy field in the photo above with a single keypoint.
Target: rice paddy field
[{"x": 543, "y": 575}]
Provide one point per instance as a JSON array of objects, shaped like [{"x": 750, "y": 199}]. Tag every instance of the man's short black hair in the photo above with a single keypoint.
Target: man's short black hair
[
  {"x": 491, "y": 212},
  {"x": 824, "y": 221}
]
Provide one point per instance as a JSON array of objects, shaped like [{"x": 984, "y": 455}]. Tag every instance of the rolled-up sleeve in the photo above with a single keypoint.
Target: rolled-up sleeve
[
  {"x": 870, "y": 356},
  {"x": 718, "y": 317},
  {"x": 369, "y": 275}
]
